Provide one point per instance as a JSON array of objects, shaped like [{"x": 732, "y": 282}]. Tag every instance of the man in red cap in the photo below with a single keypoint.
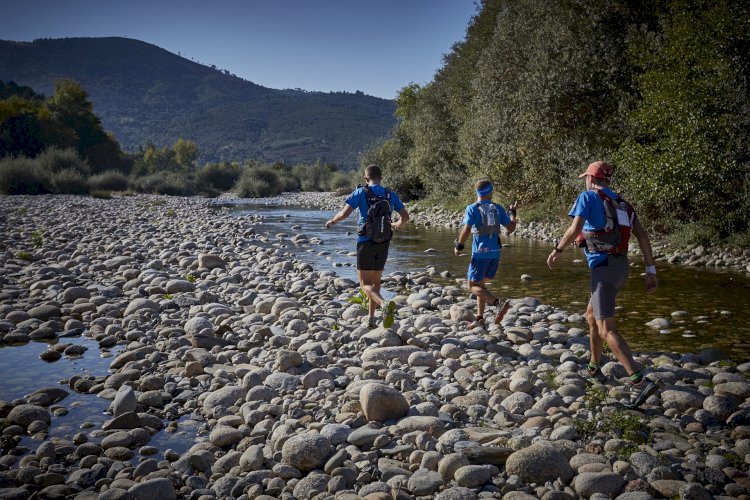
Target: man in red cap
[{"x": 602, "y": 223}]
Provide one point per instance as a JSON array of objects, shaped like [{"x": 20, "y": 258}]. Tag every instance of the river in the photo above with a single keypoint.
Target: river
[{"x": 711, "y": 304}]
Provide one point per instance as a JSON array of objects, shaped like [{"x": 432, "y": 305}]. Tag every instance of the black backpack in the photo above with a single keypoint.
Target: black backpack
[{"x": 377, "y": 226}]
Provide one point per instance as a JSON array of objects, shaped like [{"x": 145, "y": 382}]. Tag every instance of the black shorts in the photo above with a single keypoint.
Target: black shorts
[{"x": 372, "y": 256}]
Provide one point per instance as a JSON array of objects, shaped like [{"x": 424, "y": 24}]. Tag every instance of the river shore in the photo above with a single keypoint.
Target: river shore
[
  {"x": 209, "y": 319},
  {"x": 695, "y": 255}
]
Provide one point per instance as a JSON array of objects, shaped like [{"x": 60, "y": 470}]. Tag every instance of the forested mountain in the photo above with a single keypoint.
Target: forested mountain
[{"x": 145, "y": 94}]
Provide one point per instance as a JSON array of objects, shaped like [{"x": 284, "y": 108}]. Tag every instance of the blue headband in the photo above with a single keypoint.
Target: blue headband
[{"x": 485, "y": 190}]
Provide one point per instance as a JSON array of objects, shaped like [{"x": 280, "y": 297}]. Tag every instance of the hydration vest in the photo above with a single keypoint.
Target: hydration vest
[
  {"x": 377, "y": 226},
  {"x": 490, "y": 219},
  {"x": 614, "y": 237}
]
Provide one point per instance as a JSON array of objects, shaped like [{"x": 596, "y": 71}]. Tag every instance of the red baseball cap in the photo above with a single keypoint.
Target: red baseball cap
[{"x": 598, "y": 169}]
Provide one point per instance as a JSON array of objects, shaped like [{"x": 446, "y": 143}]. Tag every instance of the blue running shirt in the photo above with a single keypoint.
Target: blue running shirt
[
  {"x": 485, "y": 246},
  {"x": 358, "y": 199}
]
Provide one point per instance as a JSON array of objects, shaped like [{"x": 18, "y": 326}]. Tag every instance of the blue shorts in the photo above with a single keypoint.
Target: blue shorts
[{"x": 482, "y": 268}]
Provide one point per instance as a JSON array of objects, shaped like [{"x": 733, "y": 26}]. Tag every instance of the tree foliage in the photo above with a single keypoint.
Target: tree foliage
[
  {"x": 538, "y": 89},
  {"x": 30, "y": 124}
]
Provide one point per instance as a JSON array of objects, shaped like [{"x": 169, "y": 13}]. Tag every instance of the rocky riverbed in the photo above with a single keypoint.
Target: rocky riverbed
[
  {"x": 694, "y": 255},
  {"x": 210, "y": 320}
]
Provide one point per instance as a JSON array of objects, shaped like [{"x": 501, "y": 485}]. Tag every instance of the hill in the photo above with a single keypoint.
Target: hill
[{"x": 143, "y": 93}]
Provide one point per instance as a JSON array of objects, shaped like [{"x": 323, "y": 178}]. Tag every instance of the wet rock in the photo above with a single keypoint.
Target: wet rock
[
  {"x": 708, "y": 356},
  {"x": 125, "y": 401},
  {"x": 24, "y": 415}
]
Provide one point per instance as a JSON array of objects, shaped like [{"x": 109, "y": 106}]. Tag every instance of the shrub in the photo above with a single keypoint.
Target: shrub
[
  {"x": 689, "y": 233},
  {"x": 315, "y": 177},
  {"x": 22, "y": 176},
  {"x": 172, "y": 184},
  {"x": 55, "y": 160},
  {"x": 258, "y": 182},
  {"x": 342, "y": 181},
  {"x": 111, "y": 180},
  {"x": 288, "y": 182},
  {"x": 219, "y": 176},
  {"x": 68, "y": 181},
  {"x": 101, "y": 195}
]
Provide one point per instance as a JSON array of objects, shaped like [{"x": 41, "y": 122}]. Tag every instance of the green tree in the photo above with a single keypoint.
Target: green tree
[
  {"x": 186, "y": 154},
  {"x": 71, "y": 109},
  {"x": 689, "y": 136},
  {"x": 548, "y": 93}
]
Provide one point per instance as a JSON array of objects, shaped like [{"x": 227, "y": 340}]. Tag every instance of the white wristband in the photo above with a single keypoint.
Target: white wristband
[{"x": 650, "y": 269}]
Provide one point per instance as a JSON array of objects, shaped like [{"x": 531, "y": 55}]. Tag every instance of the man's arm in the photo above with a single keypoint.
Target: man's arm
[
  {"x": 462, "y": 237},
  {"x": 648, "y": 255},
  {"x": 341, "y": 215},
  {"x": 403, "y": 220},
  {"x": 568, "y": 237}
]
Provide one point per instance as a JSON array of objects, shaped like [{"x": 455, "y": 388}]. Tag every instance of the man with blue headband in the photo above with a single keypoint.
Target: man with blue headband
[{"x": 484, "y": 219}]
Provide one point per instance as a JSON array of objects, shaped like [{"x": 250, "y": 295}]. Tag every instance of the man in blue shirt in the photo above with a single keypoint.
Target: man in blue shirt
[
  {"x": 371, "y": 255},
  {"x": 609, "y": 271},
  {"x": 484, "y": 219}
]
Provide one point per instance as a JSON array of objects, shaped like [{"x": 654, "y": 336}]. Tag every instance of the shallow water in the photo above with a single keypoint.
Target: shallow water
[{"x": 717, "y": 301}]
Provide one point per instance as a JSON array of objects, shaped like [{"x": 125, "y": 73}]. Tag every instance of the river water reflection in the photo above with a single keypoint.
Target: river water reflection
[{"x": 717, "y": 302}]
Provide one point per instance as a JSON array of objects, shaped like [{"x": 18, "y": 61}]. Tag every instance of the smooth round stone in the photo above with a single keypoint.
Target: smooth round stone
[
  {"x": 472, "y": 476},
  {"x": 306, "y": 451},
  {"x": 119, "y": 453}
]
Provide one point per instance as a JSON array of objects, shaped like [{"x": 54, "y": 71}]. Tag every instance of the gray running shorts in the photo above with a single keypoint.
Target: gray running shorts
[{"x": 606, "y": 281}]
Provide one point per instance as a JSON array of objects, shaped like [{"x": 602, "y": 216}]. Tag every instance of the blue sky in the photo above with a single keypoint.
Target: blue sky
[{"x": 375, "y": 46}]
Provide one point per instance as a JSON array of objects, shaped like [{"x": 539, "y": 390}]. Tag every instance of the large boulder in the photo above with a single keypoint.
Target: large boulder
[
  {"x": 24, "y": 415},
  {"x": 382, "y": 402},
  {"x": 539, "y": 463},
  {"x": 306, "y": 451}
]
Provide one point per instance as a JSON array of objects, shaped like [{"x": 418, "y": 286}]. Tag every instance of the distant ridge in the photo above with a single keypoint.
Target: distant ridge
[{"x": 144, "y": 93}]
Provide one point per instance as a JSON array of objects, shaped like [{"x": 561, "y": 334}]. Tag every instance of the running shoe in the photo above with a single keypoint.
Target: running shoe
[
  {"x": 596, "y": 376},
  {"x": 479, "y": 322},
  {"x": 389, "y": 312},
  {"x": 640, "y": 392},
  {"x": 502, "y": 311},
  {"x": 372, "y": 323}
]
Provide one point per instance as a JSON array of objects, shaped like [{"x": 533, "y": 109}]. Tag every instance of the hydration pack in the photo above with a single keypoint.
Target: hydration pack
[
  {"x": 614, "y": 237},
  {"x": 377, "y": 226},
  {"x": 490, "y": 220}
]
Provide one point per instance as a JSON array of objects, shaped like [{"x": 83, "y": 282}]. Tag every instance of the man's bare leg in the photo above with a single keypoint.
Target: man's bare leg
[
  {"x": 608, "y": 333},
  {"x": 484, "y": 297},
  {"x": 596, "y": 342},
  {"x": 369, "y": 281}
]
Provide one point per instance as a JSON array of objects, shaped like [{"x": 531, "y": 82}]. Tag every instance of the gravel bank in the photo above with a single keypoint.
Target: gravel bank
[{"x": 210, "y": 320}]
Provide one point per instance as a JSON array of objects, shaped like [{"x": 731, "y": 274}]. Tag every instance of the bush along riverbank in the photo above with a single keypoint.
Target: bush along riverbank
[
  {"x": 665, "y": 251},
  {"x": 209, "y": 321}
]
